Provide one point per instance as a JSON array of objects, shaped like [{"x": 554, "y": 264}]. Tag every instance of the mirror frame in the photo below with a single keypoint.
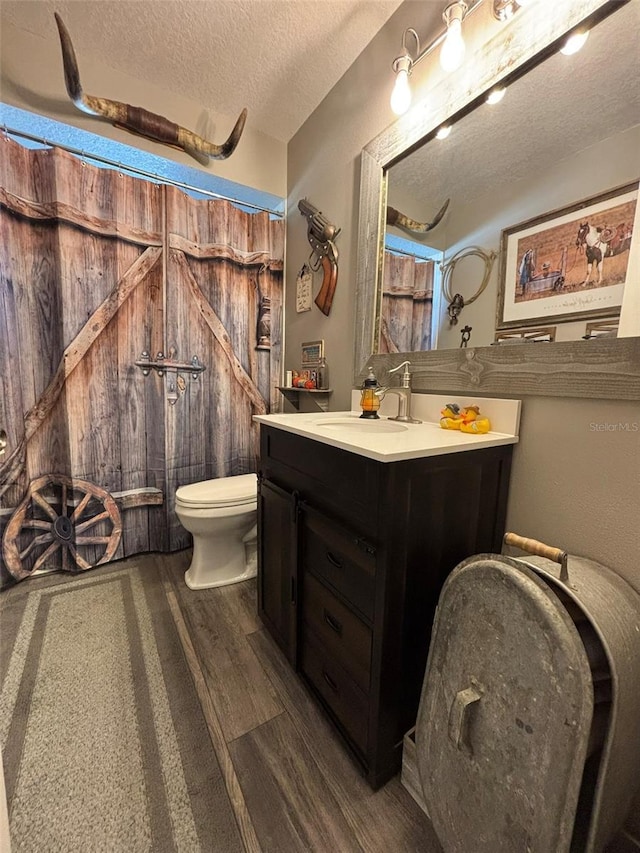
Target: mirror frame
[{"x": 605, "y": 368}]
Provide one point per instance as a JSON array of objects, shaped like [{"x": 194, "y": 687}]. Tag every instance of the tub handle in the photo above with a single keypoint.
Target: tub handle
[
  {"x": 532, "y": 546},
  {"x": 459, "y": 715}
]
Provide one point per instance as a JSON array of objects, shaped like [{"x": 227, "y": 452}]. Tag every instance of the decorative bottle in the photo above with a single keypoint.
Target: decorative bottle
[
  {"x": 323, "y": 374},
  {"x": 369, "y": 401}
]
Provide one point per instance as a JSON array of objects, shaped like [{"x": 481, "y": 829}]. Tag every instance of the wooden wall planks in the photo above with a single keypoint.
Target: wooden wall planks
[{"x": 607, "y": 369}]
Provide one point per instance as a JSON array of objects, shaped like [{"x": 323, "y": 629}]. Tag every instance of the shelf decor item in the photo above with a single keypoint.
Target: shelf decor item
[
  {"x": 312, "y": 352},
  {"x": 314, "y": 365}
]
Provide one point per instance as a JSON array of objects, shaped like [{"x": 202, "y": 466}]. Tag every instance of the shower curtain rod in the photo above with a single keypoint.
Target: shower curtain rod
[
  {"x": 409, "y": 254},
  {"x": 135, "y": 171}
]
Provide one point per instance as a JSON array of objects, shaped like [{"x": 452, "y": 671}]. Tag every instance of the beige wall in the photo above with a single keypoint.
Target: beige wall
[
  {"x": 32, "y": 79},
  {"x": 323, "y": 165}
]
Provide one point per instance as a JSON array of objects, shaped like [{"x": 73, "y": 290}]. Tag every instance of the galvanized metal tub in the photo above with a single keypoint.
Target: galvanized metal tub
[{"x": 528, "y": 731}]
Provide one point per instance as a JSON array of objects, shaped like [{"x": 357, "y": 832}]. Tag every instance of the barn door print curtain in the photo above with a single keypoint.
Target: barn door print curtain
[
  {"x": 407, "y": 298},
  {"x": 97, "y": 267}
]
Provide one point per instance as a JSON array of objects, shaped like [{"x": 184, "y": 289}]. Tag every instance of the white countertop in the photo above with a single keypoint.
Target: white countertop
[{"x": 374, "y": 438}]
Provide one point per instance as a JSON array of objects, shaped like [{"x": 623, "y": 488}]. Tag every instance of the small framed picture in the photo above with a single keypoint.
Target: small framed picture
[
  {"x": 545, "y": 334},
  {"x": 312, "y": 352},
  {"x": 602, "y": 330}
]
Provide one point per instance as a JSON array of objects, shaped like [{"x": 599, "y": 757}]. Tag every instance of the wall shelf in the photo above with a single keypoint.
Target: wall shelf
[{"x": 320, "y": 396}]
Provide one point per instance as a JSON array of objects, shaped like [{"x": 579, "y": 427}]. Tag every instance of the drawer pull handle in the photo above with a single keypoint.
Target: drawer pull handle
[
  {"x": 333, "y": 623},
  {"x": 330, "y": 681},
  {"x": 368, "y": 549},
  {"x": 334, "y": 560}
]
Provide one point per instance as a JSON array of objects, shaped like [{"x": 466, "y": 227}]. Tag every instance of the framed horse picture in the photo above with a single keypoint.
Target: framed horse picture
[{"x": 570, "y": 264}]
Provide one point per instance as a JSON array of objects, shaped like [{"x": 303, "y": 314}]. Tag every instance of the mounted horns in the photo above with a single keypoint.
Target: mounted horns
[
  {"x": 138, "y": 120},
  {"x": 394, "y": 217}
]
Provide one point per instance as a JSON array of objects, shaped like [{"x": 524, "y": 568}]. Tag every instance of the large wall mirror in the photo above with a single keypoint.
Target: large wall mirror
[{"x": 562, "y": 147}]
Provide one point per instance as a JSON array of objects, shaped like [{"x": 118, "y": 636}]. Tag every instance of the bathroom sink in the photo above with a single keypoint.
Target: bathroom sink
[
  {"x": 388, "y": 440},
  {"x": 361, "y": 425}
]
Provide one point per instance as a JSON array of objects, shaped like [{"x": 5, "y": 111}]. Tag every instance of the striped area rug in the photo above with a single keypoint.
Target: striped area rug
[{"x": 104, "y": 743}]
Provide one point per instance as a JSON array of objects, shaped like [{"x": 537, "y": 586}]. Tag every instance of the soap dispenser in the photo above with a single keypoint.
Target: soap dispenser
[{"x": 369, "y": 400}]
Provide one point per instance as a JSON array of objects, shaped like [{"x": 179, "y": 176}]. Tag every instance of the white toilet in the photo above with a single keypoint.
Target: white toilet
[{"x": 221, "y": 516}]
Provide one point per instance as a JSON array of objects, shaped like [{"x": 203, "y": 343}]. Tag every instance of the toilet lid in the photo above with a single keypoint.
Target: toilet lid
[{"x": 224, "y": 491}]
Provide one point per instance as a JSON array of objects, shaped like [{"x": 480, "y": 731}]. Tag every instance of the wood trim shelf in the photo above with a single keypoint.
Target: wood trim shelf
[
  {"x": 608, "y": 369},
  {"x": 321, "y": 396}
]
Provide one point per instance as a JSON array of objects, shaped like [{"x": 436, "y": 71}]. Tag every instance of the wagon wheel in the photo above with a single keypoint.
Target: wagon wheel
[{"x": 58, "y": 521}]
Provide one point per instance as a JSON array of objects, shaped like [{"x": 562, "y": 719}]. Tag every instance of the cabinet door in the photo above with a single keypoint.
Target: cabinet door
[{"x": 277, "y": 564}]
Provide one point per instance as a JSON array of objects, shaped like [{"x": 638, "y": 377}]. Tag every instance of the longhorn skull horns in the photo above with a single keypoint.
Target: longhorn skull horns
[
  {"x": 138, "y": 120},
  {"x": 394, "y": 217}
]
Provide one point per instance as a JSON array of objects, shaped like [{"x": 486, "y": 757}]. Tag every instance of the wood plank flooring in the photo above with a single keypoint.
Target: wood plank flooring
[
  {"x": 297, "y": 787},
  {"x": 292, "y": 785},
  {"x": 291, "y": 782}
]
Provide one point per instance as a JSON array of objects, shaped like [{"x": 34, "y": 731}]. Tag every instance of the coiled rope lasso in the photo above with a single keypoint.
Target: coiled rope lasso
[{"x": 457, "y": 301}]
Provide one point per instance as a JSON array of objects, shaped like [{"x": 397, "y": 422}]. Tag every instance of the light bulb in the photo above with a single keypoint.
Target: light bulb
[
  {"x": 495, "y": 96},
  {"x": 452, "y": 52},
  {"x": 574, "y": 43},
  {"x": 443, "y": 131},
  {"x": 401, "y": 95}
]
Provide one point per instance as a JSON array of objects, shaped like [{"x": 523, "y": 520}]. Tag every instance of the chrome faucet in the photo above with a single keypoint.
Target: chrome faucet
[{"x": 404, "y": 395}]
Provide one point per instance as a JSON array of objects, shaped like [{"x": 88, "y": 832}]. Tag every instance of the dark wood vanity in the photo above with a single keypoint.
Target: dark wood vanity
[{"x": 352, "y": 555}]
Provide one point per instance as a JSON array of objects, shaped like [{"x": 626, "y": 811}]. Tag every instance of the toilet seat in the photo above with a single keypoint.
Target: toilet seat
[{"x": 223, "y": 492}]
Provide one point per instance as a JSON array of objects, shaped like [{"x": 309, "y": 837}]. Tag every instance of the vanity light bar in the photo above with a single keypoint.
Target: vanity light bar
[
  {"x": 471, "y": 6},
  {"x": 452, "y": 42},
  {"x": 453, "y": 48},
  {"x": 453, "y": 16}
]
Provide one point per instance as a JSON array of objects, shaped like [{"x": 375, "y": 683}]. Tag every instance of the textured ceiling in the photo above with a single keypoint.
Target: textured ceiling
[
  {"x": 278, "y": 58},
  {"x": 560, "y": 108}
]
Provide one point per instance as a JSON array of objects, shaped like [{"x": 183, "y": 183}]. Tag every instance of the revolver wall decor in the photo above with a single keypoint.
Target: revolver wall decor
[{"x": 321, "y": 235}]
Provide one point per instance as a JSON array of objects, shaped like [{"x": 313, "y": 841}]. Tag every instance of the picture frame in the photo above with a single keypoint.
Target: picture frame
[
  {"x": 312, "y": 353},
  {"x": 569, "y": 264},
  {"x": 603, "y": 329},
  {"x": 537, "y": 334}
]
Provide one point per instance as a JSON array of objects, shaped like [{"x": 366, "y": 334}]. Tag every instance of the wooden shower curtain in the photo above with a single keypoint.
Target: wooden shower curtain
[
  {"x": 95, "y": 268},
  {"x": 407, "y": 297}
]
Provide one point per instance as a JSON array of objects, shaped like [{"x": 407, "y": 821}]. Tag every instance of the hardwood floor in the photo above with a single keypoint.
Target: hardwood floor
[
  {"x": 293, "y": 785},
  {"x": 291, "y": 782}
]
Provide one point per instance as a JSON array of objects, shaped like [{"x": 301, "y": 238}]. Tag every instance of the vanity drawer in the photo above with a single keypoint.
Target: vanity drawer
[
  {"x": 342, "y": 695},
  {"x": 345, "y": 637},
  {"x": 339, "y": 557},
  {"x": 333, "y": 478}
]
